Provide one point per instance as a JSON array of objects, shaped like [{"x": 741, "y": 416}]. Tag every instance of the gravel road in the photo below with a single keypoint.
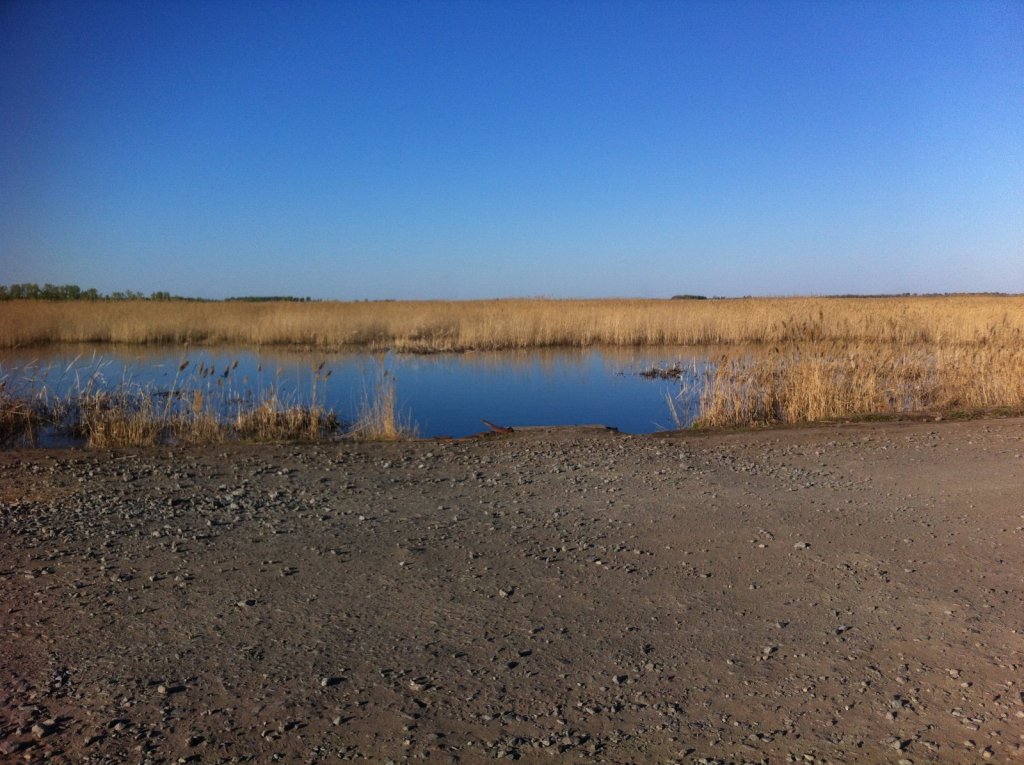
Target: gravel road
[{"x": 847, "y": 593}]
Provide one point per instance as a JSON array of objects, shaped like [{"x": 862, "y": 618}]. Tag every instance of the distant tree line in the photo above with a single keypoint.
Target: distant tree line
[{"x": 29, "y": 291}]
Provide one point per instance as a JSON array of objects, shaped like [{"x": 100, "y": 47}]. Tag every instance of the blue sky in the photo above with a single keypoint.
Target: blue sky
[{"x": 483, "y": 149}]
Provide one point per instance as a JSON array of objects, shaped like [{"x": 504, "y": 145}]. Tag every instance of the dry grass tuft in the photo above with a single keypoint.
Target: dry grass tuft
[
  {"x": 274, "y": 421},
  {"x": 122, "y": 418},
  {"x": 20, "y": 418},
  {"x": 378, "y": 418}
]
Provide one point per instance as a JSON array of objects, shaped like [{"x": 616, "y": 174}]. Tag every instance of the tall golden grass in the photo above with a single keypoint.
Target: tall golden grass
[
  {"x": 822, "y": 381},
  {"x": 506, "y": 324}
]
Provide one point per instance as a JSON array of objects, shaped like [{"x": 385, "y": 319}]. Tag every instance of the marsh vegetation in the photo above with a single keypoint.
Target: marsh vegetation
[
  {"x": 779, "y": 360},
  {"x": 203, "y": 404},
  {"x": 437, "y": 326}
]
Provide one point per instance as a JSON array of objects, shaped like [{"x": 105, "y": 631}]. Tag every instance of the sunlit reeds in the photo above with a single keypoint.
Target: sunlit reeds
[
  {"x": 205, "y": 406},
  {"x": 821, "y": 381},
  {"x": 379, "y": 418},
  {"x": 431, "y": 326},
  {"x": 122, "y": 418}
]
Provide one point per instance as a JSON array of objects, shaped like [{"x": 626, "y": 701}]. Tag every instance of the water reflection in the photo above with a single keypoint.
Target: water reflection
[{"x": 444, "y": 394}]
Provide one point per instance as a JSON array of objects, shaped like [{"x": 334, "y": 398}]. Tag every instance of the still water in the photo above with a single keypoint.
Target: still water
[{"x": 440, "y": 394}]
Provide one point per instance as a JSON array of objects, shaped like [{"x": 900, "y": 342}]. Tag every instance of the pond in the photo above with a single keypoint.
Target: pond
[{"x": 440, "y": 394}]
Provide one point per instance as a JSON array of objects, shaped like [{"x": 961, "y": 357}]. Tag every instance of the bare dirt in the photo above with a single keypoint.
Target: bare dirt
[{"x": 845, "y": 593}]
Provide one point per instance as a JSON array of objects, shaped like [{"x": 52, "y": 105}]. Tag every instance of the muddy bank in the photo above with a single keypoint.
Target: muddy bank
[{"x": 836, "y": 594}]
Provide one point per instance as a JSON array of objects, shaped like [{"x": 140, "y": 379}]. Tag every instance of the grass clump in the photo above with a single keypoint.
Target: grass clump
[
  {"x": 378, "y": 418},
  {"x": 121, "y": 418},
  {"x": 20, "y": 418},
  {"x": 273, "y": 420}
]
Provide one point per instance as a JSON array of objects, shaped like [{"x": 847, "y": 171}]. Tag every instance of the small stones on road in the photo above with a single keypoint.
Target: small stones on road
[
  {"x": 511, "y": 627},
  {"x": 419, "y": 684}
]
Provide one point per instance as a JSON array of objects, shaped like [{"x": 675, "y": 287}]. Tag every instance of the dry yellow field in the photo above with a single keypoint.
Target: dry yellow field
[{"x": 499, "y": 324}]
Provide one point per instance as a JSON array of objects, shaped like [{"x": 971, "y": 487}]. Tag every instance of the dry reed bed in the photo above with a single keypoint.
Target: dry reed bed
[
  {"x": 507, "y": 324},
  {"x": 204, "y": 406},
  {"x": 814, "y": 382}
]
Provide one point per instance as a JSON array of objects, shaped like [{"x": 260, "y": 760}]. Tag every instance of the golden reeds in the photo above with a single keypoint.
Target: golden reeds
[
  {"x": 432, "y": 326},
  {"x": 379, "y": 418},
  {"x": 121, "y": 418},
  {"x": 272, "y": 420},
  {"x": 204, "y": 408},
  {"x": 821, "y": 381},
  {"x": 21, "y": 418}
]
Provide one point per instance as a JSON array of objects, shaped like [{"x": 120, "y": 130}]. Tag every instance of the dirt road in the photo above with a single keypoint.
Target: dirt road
[{"x": 834, "y": 594}]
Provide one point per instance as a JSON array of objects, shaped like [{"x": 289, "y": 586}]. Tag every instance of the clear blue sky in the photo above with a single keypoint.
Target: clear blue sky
[{"x": 486, "y": 149}]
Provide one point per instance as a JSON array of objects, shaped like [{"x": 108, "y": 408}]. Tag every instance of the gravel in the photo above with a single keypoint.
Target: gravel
[{"x": 834, "y": 594}]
